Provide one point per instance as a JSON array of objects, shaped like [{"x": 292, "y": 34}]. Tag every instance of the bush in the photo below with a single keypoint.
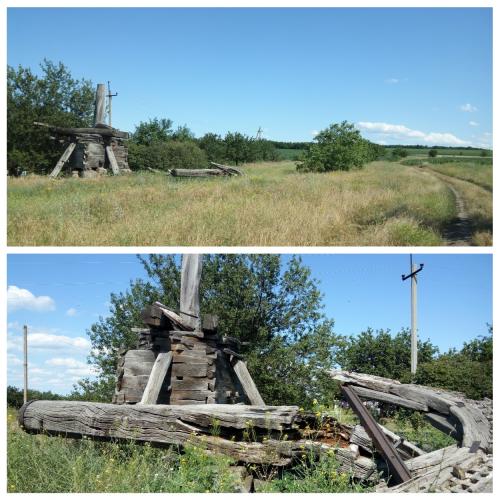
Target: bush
[
  {"x": 166, "y": 155},
  {"x": 433, "y": 153},
  {"x": 338, "y": 147},
  {"x": 398, "y": 153}
]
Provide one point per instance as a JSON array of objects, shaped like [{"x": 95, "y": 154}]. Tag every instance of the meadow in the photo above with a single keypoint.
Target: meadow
[{"x": 385, "y": 203}]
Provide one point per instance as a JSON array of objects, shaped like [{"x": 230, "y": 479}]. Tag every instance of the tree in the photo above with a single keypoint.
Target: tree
[
  {"x": 398, "y": 153},
  {"x": 433, "y": 153},
  {"x": 154, "y": 130},
  {"x": 275, "y": 307},
  {"x": 214, "y": 147},
  {"x": 238, "y": 147},
  {"x": 183, "y": 133},
  {"x": 338, "y": 147},
  {"x": 380, "y": 353},
  {"x": 55, "y": 97}
]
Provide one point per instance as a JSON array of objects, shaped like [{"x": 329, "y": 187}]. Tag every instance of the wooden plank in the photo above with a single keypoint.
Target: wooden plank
[
  {"x": 225, "y": 168},
  {"x": 107, "y": 132},
  {"x": 190, "y": 370},
  {"x": 190, "y": 290},
  {"x": 445, "y": 423},
  {"x": 246, "y": 381},
  {"x": 397, "y": 467},
  {"x": 158, "y": 374},
  {"x": 190, "y": 384},
  {"x": 64, "y": 158},
  {"x": 112, "y": 160}
]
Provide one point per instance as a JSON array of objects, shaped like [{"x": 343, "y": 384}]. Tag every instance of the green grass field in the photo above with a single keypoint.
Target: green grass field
[{"x": 383, "y": 204}]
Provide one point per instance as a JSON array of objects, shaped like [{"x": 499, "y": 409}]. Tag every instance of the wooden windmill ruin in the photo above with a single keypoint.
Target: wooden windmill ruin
[
  {"x": 92, "y": 151},
  {"x": 180, "y": 358}
]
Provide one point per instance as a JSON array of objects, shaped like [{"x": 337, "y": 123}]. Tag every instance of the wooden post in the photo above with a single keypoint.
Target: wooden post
[
  {"x": 246, "y": 381},
  {"x": 100, "y": 104},
  {"x": 190, "y": 290},
  {"x": 25, "y": 363},
  {"x": 64, "y": 158},
  {"x": 112, "y": 160},
  {"x": 156, "y": 378}
]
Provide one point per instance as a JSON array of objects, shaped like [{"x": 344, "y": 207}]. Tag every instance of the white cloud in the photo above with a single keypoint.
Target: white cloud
[
  {"x": 392, "y": 81},
  {"x": 13, "y": 360},
  {"x": 468, "y": 108},
  {"x": 71, "y": 312},
  {"x": 68, "y": 362},
  {"x": 473, "y": 124},
  {"x": 20, "y": 298},
  {"x": 401, "y": 132},
  {"x": 51, "y": 341},
  {"x": 314, "y": 133}
]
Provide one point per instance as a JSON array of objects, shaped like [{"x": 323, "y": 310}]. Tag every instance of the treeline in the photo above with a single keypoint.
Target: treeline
[
  {"x": 155, "y": 144},
  {"x": 15, "y": 396}
]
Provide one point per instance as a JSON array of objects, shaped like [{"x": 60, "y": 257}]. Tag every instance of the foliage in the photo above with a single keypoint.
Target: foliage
[
  {"x": 398, "y": 153},
  {"x": 153, "y": 131},
  {"x": 380, "y": 353},
  {"x": 276, "y": 308},
  {"x": 54, "y": 97},
  {"x": 433, "y": 153},
  {"x": 214, "y": 147},
  {"x": 338, "y": 147},
  {"x": 15, "y": 396},
  {"x": 160, "y": 155}
]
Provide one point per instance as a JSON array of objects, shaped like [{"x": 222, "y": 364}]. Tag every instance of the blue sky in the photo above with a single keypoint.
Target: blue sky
[
  {"x": 60, "y": 296},
  {"x": 403, "y": 75}
]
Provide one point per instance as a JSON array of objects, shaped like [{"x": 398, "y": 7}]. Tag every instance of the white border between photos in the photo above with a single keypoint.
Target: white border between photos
[{"x": 286, "y": 250}]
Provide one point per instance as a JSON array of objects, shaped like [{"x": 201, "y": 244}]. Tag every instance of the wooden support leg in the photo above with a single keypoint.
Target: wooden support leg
[
  {"x": 64, "y": 158},
  {"x": 246, "y": 381},
  {"x": 112, "y": 160},
  {"x": 155, "y": 381}
]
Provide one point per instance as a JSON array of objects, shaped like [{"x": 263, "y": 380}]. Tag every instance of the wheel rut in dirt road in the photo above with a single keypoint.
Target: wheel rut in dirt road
[{"x": 459, "y": 231}]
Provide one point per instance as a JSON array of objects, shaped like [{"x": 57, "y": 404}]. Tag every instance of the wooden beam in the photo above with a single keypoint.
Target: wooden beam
[
  {"x": 246, "y": 381},
  {"x": 225, "y": 168},
  {"x": 100, "y": 104},
  {"x": 158, "y": 374},
  {"x": 396, "y": 465},
  {"x": 389, "y": 398},
  {"x": 190, "y": 290},
  {"x": 196, "y": 172},
  {"x": 112, "y": 160},
  {"x": 108, "y": 132},
  {"x": 64, "y": 158}
]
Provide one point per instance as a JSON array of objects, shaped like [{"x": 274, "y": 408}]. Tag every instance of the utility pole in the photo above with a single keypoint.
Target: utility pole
[
  {"x": 259, "y": 134},
  {"x": 25, "y": 363},
  {"x": 110, "y": 96},
  {"x": 414, "y": 336}
]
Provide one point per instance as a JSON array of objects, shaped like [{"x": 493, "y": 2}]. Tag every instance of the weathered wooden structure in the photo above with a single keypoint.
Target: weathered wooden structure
[
  {"x": 180, "y": 359},
  {"x": 91, "y": 151}
]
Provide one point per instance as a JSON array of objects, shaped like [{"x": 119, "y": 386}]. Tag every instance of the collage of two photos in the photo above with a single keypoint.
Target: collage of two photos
[{"x": 249, "y": 250}]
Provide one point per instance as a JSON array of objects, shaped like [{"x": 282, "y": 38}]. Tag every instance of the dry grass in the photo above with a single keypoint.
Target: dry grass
[
  {"x": 482, "y": 175},
  {"x": 383, "y": 204}
]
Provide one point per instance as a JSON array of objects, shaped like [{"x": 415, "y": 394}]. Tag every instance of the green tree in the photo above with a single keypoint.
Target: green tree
[
  {"x": 55, "y": 97},
  {"x": 238, "y": 148},
  {"x": 398, "y": 153},
  {"x": 183, "y": 133},
  {"x": 380, "y": 353},
  {"x": 338, "y": 147},
  {"x": 153, "y": 130},
  {"x": 214, "y": 147},
  {"x": 433, "y": 153},
  {"x": 275, "y": 307}
]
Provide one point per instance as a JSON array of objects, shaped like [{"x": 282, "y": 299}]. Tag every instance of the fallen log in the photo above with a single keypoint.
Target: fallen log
[
  {"x": 107, "y": 132},
  {"x": 225, "y": 168},
  {"x": 196, "y": 172},
  {"x": 215, "y": 427}
]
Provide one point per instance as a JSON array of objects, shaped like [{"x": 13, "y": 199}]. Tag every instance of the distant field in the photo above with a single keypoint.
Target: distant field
[
  {"x": 384, "y": 204},
  {"x": 446, "y": 152}
]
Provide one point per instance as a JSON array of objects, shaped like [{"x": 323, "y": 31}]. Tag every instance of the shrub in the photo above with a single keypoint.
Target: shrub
[
  {"x": 166, "y": 155},
  {"x": 433, "y": 153},
  {"x": 338, "y": 147},
  {"x": 398, "y": 153}
]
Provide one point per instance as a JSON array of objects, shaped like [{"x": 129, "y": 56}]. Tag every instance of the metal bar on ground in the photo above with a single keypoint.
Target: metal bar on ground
[{"x": 397, "y": 467}]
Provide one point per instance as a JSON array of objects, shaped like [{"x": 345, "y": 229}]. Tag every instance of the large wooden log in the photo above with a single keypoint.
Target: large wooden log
[
  {"x": 227, "y": 169},
  {"x": 385, "y": 397},
  {"x": 190, "y": 290},
  {"x": 64, "y": 158},
  {"x": 196, "y": 172},
  {"x": 100, "y": 104},
  {"x": 107, "y": 132}
]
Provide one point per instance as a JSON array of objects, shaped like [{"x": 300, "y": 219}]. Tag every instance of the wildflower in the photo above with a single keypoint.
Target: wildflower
[{"x": 315, "y": 401}]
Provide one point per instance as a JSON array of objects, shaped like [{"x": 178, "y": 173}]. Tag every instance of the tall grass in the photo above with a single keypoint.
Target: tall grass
[{"x": 383, "y": 204}]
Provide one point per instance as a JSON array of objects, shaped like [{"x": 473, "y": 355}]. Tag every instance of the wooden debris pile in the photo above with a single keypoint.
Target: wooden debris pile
[{"x": 91, "y": 151}]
